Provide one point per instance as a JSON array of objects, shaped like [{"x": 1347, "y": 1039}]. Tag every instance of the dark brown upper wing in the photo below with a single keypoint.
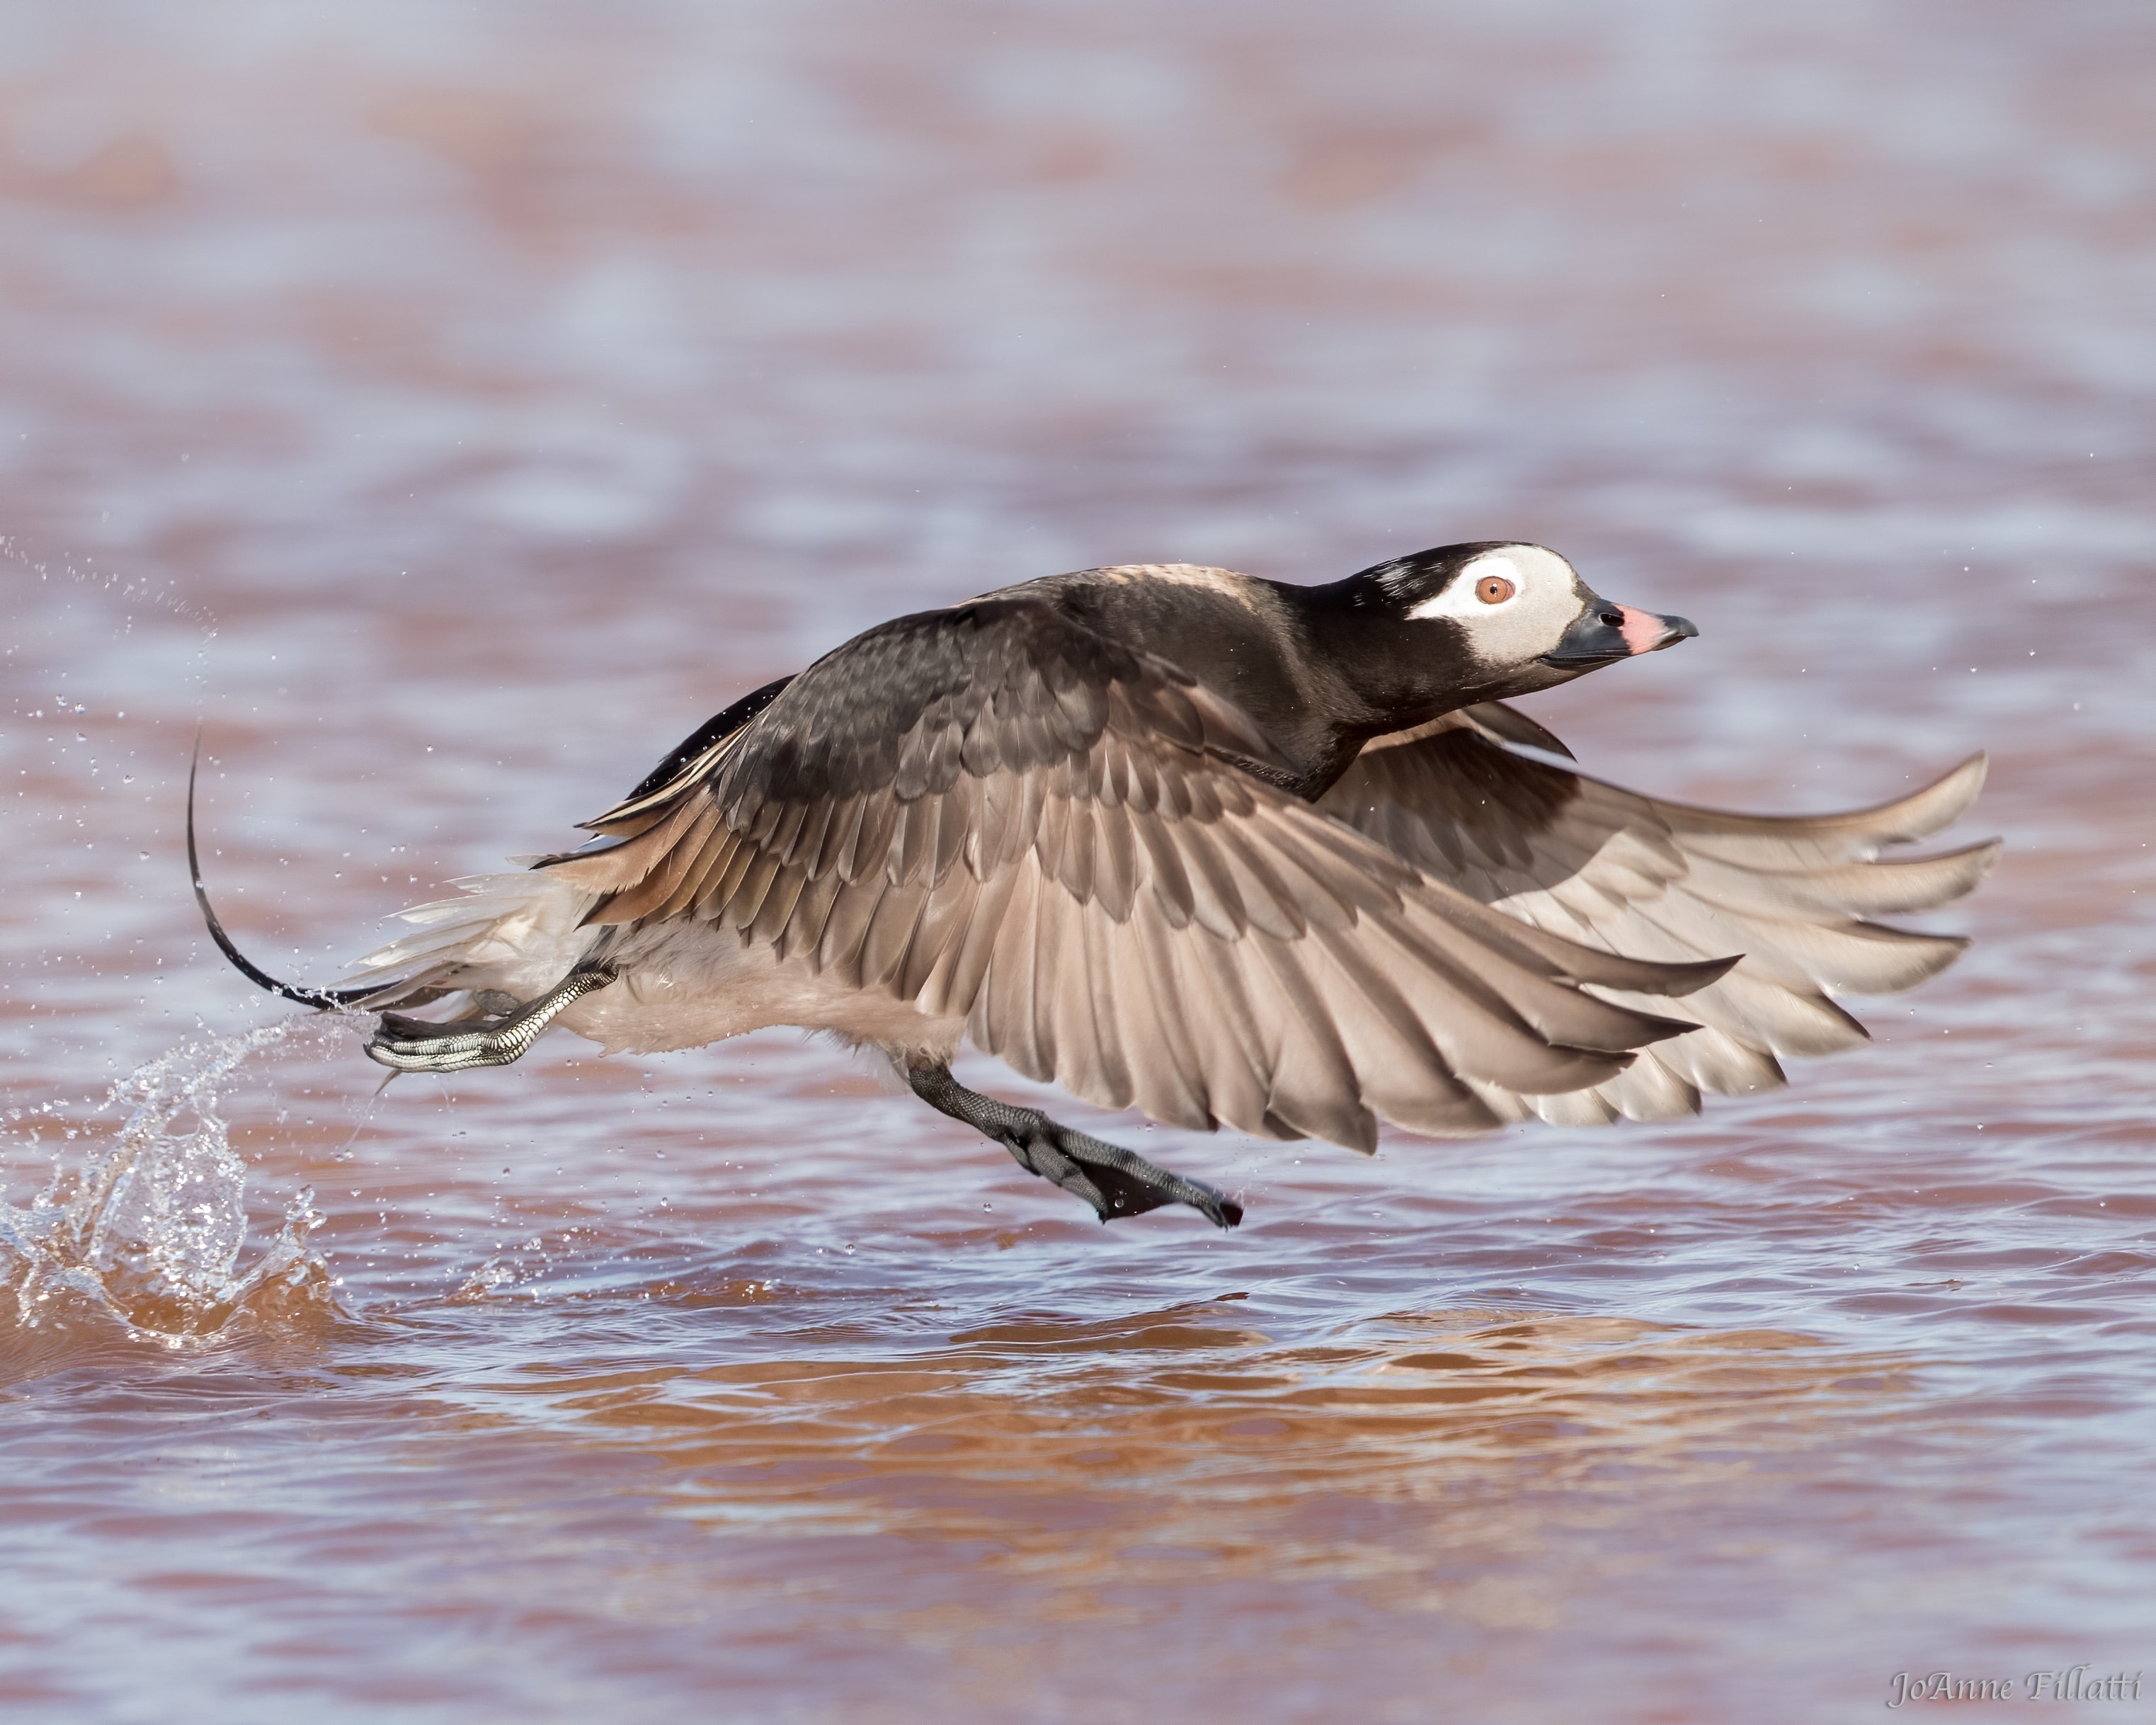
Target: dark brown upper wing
[
  {"x": 1630, "y": 874},
  {"x": 1001, "y": 816}
]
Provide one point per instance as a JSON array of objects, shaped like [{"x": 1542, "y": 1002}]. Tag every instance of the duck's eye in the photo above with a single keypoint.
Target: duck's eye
[{"x": 1494, "y": 589}]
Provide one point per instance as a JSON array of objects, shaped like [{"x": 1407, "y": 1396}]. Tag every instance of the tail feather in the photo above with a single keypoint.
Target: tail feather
[
  {"x": 518, "y": 933},
  {"x": 323, "y": 999}
]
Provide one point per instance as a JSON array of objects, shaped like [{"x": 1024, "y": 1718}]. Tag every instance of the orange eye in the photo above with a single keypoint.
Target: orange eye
[{"x": 1494, "y": 589}]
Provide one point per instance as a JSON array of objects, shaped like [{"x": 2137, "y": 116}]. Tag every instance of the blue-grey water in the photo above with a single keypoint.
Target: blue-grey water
[{"x": 446, "y": 409}]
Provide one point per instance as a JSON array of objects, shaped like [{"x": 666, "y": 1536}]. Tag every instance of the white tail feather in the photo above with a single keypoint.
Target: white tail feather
[{"x": 519, "y": 933}]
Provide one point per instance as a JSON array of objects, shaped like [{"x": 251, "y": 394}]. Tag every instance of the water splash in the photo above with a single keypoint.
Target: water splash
[{"x": 151, "y": 1225}]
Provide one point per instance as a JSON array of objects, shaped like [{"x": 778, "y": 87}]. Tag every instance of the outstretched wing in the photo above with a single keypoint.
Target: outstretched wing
[
  {"x": 1003, "y": 817},
  {"x": 1607, "y": 867}
]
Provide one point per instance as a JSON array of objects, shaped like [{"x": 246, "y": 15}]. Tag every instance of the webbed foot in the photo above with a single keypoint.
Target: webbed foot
[
  {"x": 417, "y": 1046},
  {"x": 1114, "y": 1181}
]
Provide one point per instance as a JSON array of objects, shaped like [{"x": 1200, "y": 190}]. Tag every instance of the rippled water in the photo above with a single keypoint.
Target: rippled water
[{"x": 447, "y": 412}]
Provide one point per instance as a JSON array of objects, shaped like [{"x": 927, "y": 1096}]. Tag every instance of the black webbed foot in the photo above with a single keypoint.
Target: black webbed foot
[
  {"x": 417, "y": 1046},
  {"x": 1114, "y": 1181}
]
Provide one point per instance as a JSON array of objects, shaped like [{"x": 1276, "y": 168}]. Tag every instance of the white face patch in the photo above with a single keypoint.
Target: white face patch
[{"x": 1546, "y": 600}]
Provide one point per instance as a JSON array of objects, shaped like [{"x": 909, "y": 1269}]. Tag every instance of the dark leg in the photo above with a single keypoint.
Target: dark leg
[
  {"x": 1113, "y": 1180},
  {"x": 415, "y": 1045}
]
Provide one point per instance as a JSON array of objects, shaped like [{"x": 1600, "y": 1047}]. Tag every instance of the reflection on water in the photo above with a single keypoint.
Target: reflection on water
[
  {"x": 1085, "y": 1449},
  {"x": 450, "y": 409}
]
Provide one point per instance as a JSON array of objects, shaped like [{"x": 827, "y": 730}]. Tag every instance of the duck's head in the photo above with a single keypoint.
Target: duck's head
[{"x": 1491, "y": 620}]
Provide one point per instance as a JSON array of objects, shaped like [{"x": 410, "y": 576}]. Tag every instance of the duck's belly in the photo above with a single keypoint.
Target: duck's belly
[{"x": 685, "y": 984}]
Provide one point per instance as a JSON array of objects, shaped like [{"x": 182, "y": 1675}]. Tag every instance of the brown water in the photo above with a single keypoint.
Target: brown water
[{"x": 448, "y": 408}]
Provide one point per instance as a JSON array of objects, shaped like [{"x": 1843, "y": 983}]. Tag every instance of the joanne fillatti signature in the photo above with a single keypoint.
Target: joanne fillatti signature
[{"x": 2073, "y": 1684}]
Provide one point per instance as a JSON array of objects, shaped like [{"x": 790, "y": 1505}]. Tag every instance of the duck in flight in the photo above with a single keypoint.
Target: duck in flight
[{"x": 1222, "y": 849}]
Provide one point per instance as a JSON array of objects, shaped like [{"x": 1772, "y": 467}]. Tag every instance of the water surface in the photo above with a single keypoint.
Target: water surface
[{"x": 447, "y": 413}]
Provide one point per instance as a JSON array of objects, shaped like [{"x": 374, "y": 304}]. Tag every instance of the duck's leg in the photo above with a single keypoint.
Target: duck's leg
[
  {"x": 415, "y": 1045},
  {"x": 1114, "y": 1181}
]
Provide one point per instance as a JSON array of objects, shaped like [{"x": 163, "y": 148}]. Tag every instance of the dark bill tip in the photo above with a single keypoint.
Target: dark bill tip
[{"x": 1607, "y": 633}]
